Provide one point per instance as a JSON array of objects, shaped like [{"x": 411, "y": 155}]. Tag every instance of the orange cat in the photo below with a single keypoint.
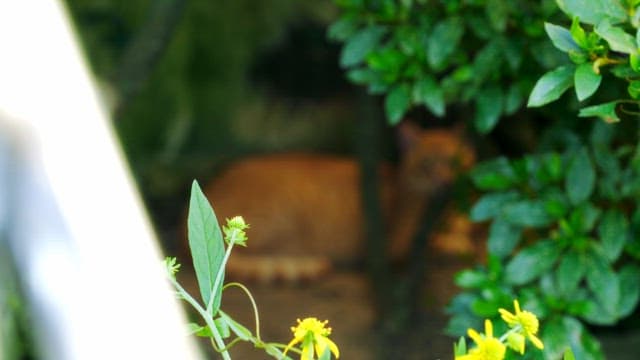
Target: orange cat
[{"x": 305, "y": 213}]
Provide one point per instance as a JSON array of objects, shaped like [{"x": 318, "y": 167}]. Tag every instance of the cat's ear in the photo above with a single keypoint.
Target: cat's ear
[{"x": 408, "y": 135}]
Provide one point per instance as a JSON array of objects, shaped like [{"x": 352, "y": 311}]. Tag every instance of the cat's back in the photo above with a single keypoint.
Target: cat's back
[{"x": 294, "y": 203}]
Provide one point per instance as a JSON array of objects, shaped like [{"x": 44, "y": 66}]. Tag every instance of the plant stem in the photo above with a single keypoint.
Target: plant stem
[
  {"x": 253, "y": 303},
  {"x": 218, "y": 281},
  {"x": 208, "y": 319}
]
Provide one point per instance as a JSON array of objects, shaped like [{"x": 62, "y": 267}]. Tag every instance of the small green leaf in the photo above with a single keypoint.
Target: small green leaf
[
  {"x": 594, "y": 11},
  {"x": 551, "y": 86},
  {"x": 470, "y": 279},
  {"x": 568, "y": 355},
  {"x": 363, "y": 76},
  {"x": 397, "y": 103},
  {"x": 634, "y": 89},
  {"x": 613, "y": 231},
  {"x": 360, "y": 45},
  {"x": 586, "y": 81},
  {"x": 503, "y": 238},
  {"x": 240, "y": 331},
  {"x": 489, "y": 205},
  {"x": 498, "y": 13},
  {"x": 581, "y": 177},
  {"x": 527, "y": 213},
  {"x": 489, "y": 105},
  {"x": 206, "y": 244},
  {"x": 634, "y": 62},
  {"x": 629, "y": 277},
  {"x": 570, "y": 272},
  {"x": 606, "y": 112},
  {"x": 496, "y": 174},
  {"x": 603, "y": 283},
  {"x": 513, "y": 100},
  {"x": 201, "y": 331},
  {"x": 443, "y": 41},
  {"x": 616, "y": 37},
  {"x": 578, "y": 34},
  {"x": 531, "y": 262},
  {"x": 460, "y": 348},
  {"x": 427, "y": 91},
  {"x": 555, "y": 338},
  {"x": 342, "y": 29},
  {"x": 561, "y": 37}
]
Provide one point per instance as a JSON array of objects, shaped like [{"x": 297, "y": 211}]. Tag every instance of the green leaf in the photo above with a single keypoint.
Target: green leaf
[
  {"x": 603, "y": 283},
  {"x": 363, "y": 76},
  {"x": 594, "y": 11},
  {"x": 489, "y": 105},
  {"x": 606, "y": 111},
  {"x": 586, "y": 81},
  {"x": 498, "y": 13},
  {"x": 583, "y": 345},
  {"x": 342, "y": 29},
  {"x": 397, "y": 103},
  {"x": 503, "y": 238},
  {"x": 583, "y": 217},
  {"x": 460, "y": 348},
  {"x": 222, "y": 327},
  {"x": 489, "y": 205},
  {"x": 496, "y": 174},
  {"x": 570, "y": 272},
  {"x": 551, "y": 86},
  {"x": 206, "y": 244},
  {"x": 201, "y": 331},
  {"x": 613, "y": 231},
  {"x": 443, "y": 41},
  {"x": 581, "y": 177},
  {"x": 531, "y": 262},
  {"x": 240, "y": 331},
  {"x": 617, "y": 38},
  {"x": 578, "y": 34},
  {"x": 427, "y": 91},
  {"x": 561, "y": 37},
  {"x": 360, "y": 45},
  {"x": 513, "y": 99},
  {"x": 634, "y": 61},
  {"x": 470, "y": 279},
  {"x": 634, "y": 89},
  {"x": 555, "y": 338},
  {"x": 527, "y": 213},
  {"x": 487, "y": 60},
  {"x": 568, "y": 355},
  {"x": 629, "y": 277}
]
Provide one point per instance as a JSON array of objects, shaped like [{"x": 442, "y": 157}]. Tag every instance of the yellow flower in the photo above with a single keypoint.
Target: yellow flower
[
  {"x": 525, "y": 323},
  {"x": 516, "y": 342},
  {"x": 313, "y": 334},
  {"x": 487, "y": 347}
]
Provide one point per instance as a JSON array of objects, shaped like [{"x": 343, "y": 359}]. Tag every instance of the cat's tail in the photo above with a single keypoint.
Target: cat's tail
[{"x": 269, "y": 269}]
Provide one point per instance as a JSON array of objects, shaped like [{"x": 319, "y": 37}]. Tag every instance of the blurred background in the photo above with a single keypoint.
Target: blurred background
[
  {"x": 224, "y": 79},
  {"x": 195, "y": 85}
]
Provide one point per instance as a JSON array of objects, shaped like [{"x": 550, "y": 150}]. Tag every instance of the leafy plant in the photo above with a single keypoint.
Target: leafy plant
[
  {"x": 437, "y": 53},
  {"x": 207, "y": 244},
  {"x": 563, "y": 238},
  {"x": 603, "y": 36}
]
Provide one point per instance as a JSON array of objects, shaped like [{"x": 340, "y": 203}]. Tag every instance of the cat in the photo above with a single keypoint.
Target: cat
[{"x": 305, "y": 214}]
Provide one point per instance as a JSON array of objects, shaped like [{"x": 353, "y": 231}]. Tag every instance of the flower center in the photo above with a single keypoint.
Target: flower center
[{"x": 529, "y": 322}]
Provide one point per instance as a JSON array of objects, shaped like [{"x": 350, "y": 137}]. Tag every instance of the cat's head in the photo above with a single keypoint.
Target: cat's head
[{"x": 432, "y": 158}]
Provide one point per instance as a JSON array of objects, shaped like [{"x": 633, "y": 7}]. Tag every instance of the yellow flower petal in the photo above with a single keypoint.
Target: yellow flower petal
[
  {"x": 536, "y": 342},
  {"x": 488, "y": 328}
]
